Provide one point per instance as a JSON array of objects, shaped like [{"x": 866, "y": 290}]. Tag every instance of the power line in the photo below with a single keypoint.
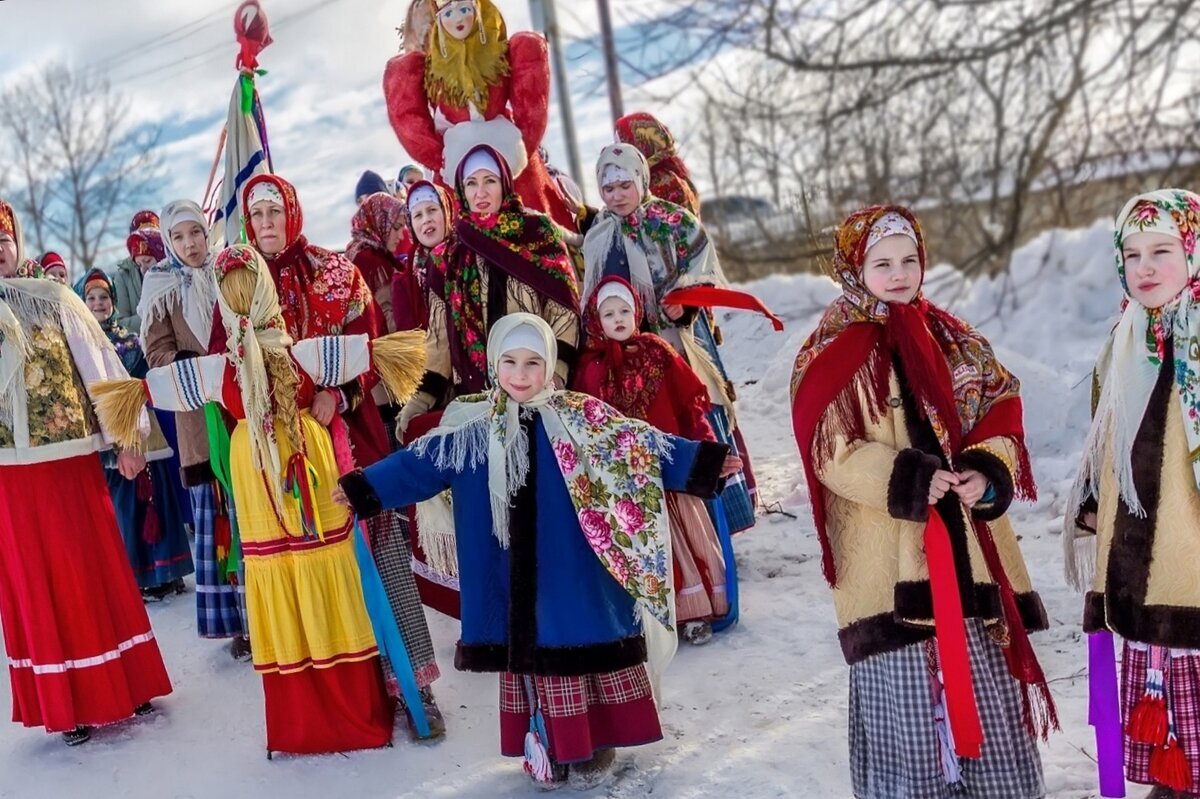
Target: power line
[{"x": 173, "y": 36}]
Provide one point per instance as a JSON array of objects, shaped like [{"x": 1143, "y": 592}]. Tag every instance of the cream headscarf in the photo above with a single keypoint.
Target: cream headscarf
[
  {"x": 1130, "y": 363},
  {"x": 249, "y": 335},
  {"x": 605, "y": 234},
  {"x": 196, "y": 287}
]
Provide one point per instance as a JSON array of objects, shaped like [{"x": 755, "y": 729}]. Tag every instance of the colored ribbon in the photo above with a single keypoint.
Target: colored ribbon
[
  {"x": 951, "y": 630},
  {"x": 1104, "y": 713},
  {"x": 714, "y": 297}
]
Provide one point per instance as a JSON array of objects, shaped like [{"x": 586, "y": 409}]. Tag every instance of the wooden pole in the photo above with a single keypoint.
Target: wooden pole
[{"x": 611, "y": 67}]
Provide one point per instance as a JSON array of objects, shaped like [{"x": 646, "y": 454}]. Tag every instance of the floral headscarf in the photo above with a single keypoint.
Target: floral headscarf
[
  {"x": 611, "y": 465},
  {"x": 373, "y": 223},
  {"x": 1129, "y": 365},
  {"x": 320, "y": 291},
  {"x": 142, "y": 220},
  {"x": 146, "y": 241},
  {"x": 669, "y": 176}
]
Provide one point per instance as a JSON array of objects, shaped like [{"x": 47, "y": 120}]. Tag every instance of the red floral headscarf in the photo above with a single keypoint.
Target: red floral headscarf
[
  {"x": 670, "y": 179},
  {"x": 320, "y": 291},
  {"x": 373, "y": 223},
  {"x": 146, "y": 241}
]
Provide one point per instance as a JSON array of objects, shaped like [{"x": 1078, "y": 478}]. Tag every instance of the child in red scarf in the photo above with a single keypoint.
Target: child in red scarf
[
  {"x": 643, "y": 377},
  {"x": 911, "y": 435}
]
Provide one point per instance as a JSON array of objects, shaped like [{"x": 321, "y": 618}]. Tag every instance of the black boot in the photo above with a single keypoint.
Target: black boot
[
  {"x": 77, "y": 736},
  {"x": 144, "y": 710}
]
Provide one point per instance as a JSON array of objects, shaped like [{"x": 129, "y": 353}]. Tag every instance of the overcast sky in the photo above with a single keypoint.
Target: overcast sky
[{"x": 324, "y": 104}]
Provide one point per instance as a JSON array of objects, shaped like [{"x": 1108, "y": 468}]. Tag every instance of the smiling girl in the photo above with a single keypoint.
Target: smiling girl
[
  {"x": 911, "y": 436},
  {"x": 1138, "y": 492}
]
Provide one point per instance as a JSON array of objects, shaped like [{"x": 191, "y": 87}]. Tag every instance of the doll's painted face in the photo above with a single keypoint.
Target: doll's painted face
[
  {"x": 429, "y": 221},
  {"x": 522, "y": 374},
  {"x": 99, "y": 302},
  {"x": 1155, "y": 268},
  {"x": 268, "y": 221},
  {"x": 190, "y": 243},
  {"x": 616, "y": 318},
  {"x": 892, "y": 269},
  {"x": 621, "y": 197},
  {"x": 458, "y": 18},
  {"x": 8, "y": 255},
  {"x": 483, "y": 192}
]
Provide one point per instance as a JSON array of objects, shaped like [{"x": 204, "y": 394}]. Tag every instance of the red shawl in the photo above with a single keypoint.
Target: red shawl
[
  {"x": 643, "y": 377},
  {"x": 964, "y": 393}
]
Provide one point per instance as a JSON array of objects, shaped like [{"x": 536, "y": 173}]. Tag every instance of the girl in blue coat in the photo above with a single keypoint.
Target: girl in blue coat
[{"x": 563, "y": 550}]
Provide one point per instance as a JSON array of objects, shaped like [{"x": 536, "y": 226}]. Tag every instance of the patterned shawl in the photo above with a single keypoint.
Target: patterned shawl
[
  {"x": 634, "y": 369},
  {"x": 1131, "y": 360},
  {"x": 963, "y": 391},
  {"x": 373, "y": 223},
  {"x": 611, "y": 465},
  {"x": 669, "y": 176},
  {"x": 525, "y": 245},
  {"x": 320, "y": 291},
  {"x": 195, "y": 287}
]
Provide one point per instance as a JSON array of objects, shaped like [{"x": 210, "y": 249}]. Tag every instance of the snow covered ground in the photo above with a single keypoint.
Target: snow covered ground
[{"x": 760, "y": 712}]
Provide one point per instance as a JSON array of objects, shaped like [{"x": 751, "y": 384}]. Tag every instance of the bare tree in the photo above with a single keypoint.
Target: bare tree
[
  {"x": 72, "y": 160},
  {"x": 997, "y": 118}
]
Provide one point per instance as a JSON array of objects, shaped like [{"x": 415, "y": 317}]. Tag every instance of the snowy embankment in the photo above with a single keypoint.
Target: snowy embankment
[{"x": 760, "y": 712}]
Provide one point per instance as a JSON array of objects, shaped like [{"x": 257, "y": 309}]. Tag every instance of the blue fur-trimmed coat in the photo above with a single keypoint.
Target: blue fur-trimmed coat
[{"x": 546, "y": 605}]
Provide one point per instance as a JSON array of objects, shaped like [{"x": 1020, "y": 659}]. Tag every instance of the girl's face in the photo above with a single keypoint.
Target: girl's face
[
  {"x": 8, "y": 255},
  {"x": 616, "y": 317},
  {"x": 892, "y": 269},
  {"x": 622, "y": 197},
  {"x": 522, "y": 374},
  {"x": 190, "y": 243},
  {"x": 57, "y": 272},
  {"x": 1155, "y": 268},
  {"x": 411, "y": 177},
  {"x": 144, "y": 262},
  {"x": 429, "y": 221},
  {"x": 268, "y": 222},
  {"x": 483, "y": 192},
  {"x": 458, "y": 19},
  {"x": 99, "y": 302}
]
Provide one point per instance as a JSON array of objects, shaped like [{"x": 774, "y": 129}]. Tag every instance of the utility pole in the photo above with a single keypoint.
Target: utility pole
[
  {"x": 611, "y": 67},
  {"x": 545, "y": 18}
]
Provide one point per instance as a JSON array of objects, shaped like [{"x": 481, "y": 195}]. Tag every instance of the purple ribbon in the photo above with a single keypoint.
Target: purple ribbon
[{"x": 1104, "y": 713}]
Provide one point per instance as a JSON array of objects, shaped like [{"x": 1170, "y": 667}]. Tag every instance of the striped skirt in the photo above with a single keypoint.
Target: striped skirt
[
  {"x": 895, "y": 752},
  {"x": 220, "y": 605},
  {"x": 393, "y": 558}
]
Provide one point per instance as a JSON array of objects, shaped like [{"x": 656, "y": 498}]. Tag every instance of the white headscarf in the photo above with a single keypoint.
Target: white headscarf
[
  {"x": 196, "y": 287},
  {"x": 1129, "y": 367}
]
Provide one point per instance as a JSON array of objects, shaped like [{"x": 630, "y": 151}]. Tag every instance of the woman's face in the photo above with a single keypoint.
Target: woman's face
[
  {"x": 483, "y": 192},
  {"x": 395, "y": 235},
  {"x": 8, "y": 255},
  {"x": 522, "y": 374},
  {"x": 190, "y": 243},
  {"x": 458, "y": 19},
  {"x": 411, "y": 177},
  {"x": 268, "y": 222},
  {"x": 429, "y": 221},
  {"x": 892, "y": 270},
  {"x": 622, "y": 197},
  {"x": 1155, "y": 268},
  {"x": 99, "y": 302},
  {"x": 616, "y": 317}
]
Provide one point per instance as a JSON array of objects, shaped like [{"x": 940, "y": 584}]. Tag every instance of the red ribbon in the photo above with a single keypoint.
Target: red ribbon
[
  {"x": 714, "y": 297},
  {"x": 952, "y": 640}
]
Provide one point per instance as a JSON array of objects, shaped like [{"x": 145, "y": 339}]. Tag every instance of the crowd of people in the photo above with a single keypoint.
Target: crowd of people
[{"x": 505, "y": 405}]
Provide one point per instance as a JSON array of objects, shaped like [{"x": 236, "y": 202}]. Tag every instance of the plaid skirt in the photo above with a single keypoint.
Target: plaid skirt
[
  {"x": 393, "y": 558},
  {"x": 1182, "y": 687},
  {"x": 220, "y": 605},
  {"x": 894, "y": 747},
  {"x": 583, "y": 714}
]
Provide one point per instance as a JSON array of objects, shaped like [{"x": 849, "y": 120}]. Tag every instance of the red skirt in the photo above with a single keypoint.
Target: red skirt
[
  {"x": 583, "y": 714},
  {"x": 80, "y": 648},
  {"x": 337, "y": 709}
]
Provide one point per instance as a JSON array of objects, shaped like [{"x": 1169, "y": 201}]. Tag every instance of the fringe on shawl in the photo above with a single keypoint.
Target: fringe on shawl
[
  {"x": 435, "y": 531},
  {"x": 847, "y": 417}
]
